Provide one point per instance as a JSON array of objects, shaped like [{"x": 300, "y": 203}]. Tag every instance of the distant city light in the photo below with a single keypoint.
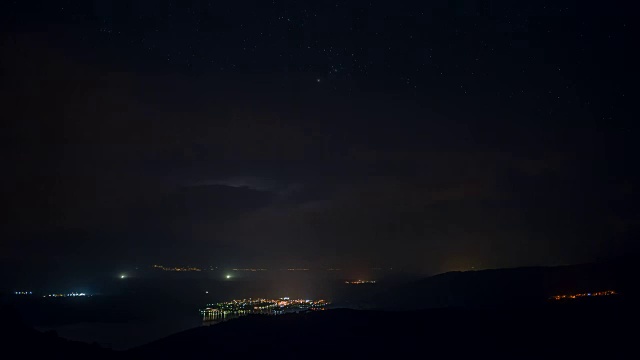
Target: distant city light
[
  {"x": 177, "y": 268},
  {"x": 74, "y": 294},
  {"x": 360, "y": 282},
  {"x": 228, "y": 276},
  {"x": 250, "y": 269},
  {"x": 123, "y": 276},
  {"x": 576, "y": 296}
]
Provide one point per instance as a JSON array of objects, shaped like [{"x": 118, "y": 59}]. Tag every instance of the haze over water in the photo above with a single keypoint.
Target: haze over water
[{"x": 146, "y": 306}]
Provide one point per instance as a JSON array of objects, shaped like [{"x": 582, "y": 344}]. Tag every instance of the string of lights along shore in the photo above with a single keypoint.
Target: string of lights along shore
[
  {"x": 189, "y": 268},
  {"x": 264, "y": 306}
]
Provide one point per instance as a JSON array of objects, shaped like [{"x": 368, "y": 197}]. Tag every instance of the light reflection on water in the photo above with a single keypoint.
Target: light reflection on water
[
  {"x": 218, "y": 317},
  {"x": 213, "y": 318}
]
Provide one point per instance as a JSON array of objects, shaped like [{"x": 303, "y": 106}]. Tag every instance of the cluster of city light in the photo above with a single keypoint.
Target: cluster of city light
[
  {"x": 360, "y": 282},
  {"x": 297, "y": 269},
  {"x": 23, "y": 293},
  {"x": 264, "y": 305},
  {"x": 164, "y": 268},
  {"x": 74, "y": 294},
  {"x": 582, "y": 295}
]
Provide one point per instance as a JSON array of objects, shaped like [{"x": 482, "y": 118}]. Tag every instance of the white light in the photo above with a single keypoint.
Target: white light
[
  {"x": 228, "y": 276},
  {"x": 122, "y": 276}
]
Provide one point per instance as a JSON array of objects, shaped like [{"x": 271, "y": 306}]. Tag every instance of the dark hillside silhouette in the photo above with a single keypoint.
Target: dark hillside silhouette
[{"x": 507, "y": 287}]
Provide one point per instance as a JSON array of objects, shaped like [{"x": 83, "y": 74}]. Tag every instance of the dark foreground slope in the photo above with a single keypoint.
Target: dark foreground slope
[{"x": 553, "y": 331}]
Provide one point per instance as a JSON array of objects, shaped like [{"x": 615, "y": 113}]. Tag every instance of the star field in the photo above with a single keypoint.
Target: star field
[{"x": 472, "y": 133}]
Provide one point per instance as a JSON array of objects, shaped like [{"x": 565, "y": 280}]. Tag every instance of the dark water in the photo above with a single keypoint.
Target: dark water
[{"x": 139, "y": 310}]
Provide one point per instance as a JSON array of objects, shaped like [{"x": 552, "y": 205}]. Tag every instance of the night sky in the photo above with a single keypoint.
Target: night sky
[{"x": 426, "y": 135}]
